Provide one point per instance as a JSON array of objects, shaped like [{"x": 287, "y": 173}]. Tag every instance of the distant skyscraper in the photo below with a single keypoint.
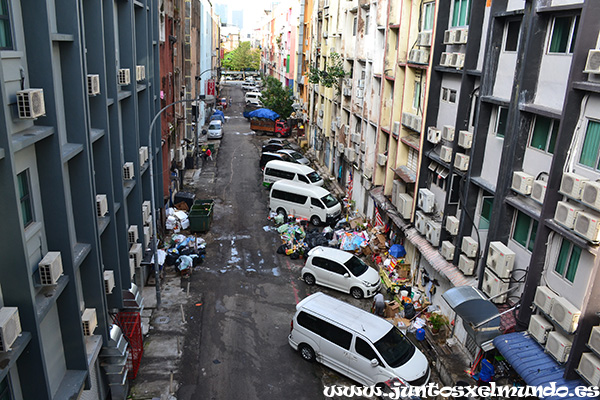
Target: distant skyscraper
[
  {"x": 237, "y": 18},
  {"x": 222, "y": 11}
]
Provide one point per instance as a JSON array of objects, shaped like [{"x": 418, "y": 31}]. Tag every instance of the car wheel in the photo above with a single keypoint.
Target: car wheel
[
  {"x": 307, "y": 352},
  {"x": 281, "y": 211},
  {"x": 309, "y": 279},
  {"x": 316, "y": 221},
  {"x": 357, "y": 293}
]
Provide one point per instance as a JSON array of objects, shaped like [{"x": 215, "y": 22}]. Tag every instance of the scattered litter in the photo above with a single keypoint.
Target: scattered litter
[
  {"x": 198, "y": 304},
  {"x": 215, "y": 361}
]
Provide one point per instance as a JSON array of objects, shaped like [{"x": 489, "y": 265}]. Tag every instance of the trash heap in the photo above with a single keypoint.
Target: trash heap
[
  {"x": 183, "y": 252},
  {"x": 177, "y": 217}
]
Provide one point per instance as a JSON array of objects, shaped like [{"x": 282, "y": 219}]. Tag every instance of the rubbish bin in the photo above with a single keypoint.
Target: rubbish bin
[
  {"x": 187, "y": 197},
  {"x": 200, "y": 215}
]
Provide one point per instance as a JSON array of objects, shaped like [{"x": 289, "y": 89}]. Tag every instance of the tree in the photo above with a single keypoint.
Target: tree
[
  {"x": 332, "y": 75},
  {"x": 277, "y": 98},
  {"x": 243, "y": 58}
]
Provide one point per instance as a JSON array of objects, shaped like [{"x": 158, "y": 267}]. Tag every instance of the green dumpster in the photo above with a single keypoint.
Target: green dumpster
[{"x": 200, "y": 215}]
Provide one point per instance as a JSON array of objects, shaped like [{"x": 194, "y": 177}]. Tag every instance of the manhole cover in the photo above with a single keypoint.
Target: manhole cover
[{"x": 162, "y": 320}]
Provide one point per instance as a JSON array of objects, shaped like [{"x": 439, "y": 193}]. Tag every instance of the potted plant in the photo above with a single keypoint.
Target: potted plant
[{"x": 437, "y": 321}]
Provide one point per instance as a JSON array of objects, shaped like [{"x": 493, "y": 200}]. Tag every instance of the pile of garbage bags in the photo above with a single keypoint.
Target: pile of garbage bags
[{"x": 184, "y": 252}]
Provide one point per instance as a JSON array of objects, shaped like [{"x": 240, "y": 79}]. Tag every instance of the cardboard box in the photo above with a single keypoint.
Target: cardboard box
[
  {"x": 403, "y": 272},
  {"x": 391, "y": 309},
  {"x": 366, "y": 250},
  {"x": 355, "y": 222}
]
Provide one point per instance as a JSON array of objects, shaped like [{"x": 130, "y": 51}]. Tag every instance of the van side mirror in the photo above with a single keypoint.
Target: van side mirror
[{"x": 374, "y": 362}]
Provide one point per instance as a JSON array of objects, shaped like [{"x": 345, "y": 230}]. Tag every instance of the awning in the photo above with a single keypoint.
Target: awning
[
  {"x": 406, "y": 174},
  {"x": 530, "y": 361},
  {"x": 474, "y": 309}
]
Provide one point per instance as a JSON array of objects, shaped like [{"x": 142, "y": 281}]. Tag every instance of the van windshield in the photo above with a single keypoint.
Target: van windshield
[
  {"x": 395, "y": 348},
  {"x": 356, "y": 266},
  {"x": 314, "y": 177},
  {"x": 329, "y": 201}
]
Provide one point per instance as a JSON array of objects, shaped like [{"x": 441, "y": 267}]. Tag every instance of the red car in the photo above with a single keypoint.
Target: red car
[{"x": 223, "y": 102}]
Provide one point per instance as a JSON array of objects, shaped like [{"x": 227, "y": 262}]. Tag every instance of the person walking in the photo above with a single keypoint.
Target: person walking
[
  {"x": 378, "y": 304},
  {"x": 209, "y": 154}
]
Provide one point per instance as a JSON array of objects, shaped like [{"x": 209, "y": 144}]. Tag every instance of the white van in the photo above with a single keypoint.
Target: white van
[
  {"x": 305, "y": 201},
  {"x": 277, "y": 170},
  {"x": 356, "y": 343},
  {"x": 252, "y": 96}
]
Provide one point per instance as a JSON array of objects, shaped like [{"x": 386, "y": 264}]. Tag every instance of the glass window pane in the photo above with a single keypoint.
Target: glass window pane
[
  {"x": 539, "y": 137},
  {"x": 456, "y": 13},
  {"x": 502, "y": 118},
  {"x": 521, "y": 231},
  {"x": 512, "y": 36},
  {"x": 532, "y": 235},
  {"x": 553, "y": 136},
  {"x": 25, "y": 198},
  {"x": 428, "y": 17},
  {"x": 589, "y": 151},
  {"x": 486, "y": 212},
  {"x": 572, "y": 47},
  {"x": 573, "y": 263},
  {"x": 561, "y": 263},
  {"x": 464, "y": 12},
  {"x": 560, "y": 35}
]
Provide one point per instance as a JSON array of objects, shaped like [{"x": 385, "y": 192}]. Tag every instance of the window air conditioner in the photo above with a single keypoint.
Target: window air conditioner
[
  {"x": 590, "y": 194},
  {"x": 424, "y": 39},
  {"x": 50, "y": 268},
  {"x": 426, "y": 200},
  {"x": 448, "y": 133},
  {"x": 544, "y": 297},
  {"x": 539, "y": 328},
  {"x": 432, "y": 232},
  {"x": 109, "y": 281},
  {"x": 434, "y": 135},
  {"x": 452, "y": 225},
  {"x": 143, "y": 154},
  {"x": 404, "y": 205},
  {"x": 136, "y": 253},
  {"x": 558, "y": 346},
  {"x": 589, "y": 368},
  {"x": 565, "y": 314},
  {"x": 445, "y": 59},
  {"x": 128, "y": 171},
  {"x": 381, "y": 159},
  {"x": 572, "y": 185},
  {"x": 93, "y": 84},
  {"x": 447, "y": 250},
  {"x": 448, "y": 37},
  {"x": 588, "y": 226},
  {"x": 466, "y": 265},
  {"x": 465, "y": 139},
  {"x": 140, "y": 72},
  {"x": 566, "y": 213},
  {"x": 124, "y": 77},
  {"x": 132, "y": 234},
  {"x": 89, "y": 321},
  {"x": 461, "y": 36},
  {"x": 493, "y": 286},
  {"x": 469, "y": 246},
  {"x": 421, "y": 222},
  {"x": 146, "y": 236},
  {"x": 592, "y": 66},
  {"x": 538, "y": 191},
  {"x": 146, "y": 210},
  {"x": 522, "y": 182},
  {"x": 500, "y": 259},
  {"x": 396, "y": 128},
  {"x": 446, "y": 154},
  {"x": 461, "y": 162},
  {"x": 101, "y": 205},
  {"x": 10, "y": 327},
  {"x": 30, "y": 103}
]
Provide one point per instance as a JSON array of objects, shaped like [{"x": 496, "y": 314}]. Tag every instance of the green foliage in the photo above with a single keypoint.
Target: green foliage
[
  {"x": 277, "y": 98},
  {"x": 244, "y": 58},
  {"x": 332, "y": 75},
  {"x": 437, "y": 321}
]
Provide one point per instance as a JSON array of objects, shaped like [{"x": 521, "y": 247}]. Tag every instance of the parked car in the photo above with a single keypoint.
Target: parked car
[
  {"x": 215, "y": 129},
  {"x": 314, "y": 203},
  {"x": 267, "y": 156},
  {"x": 284, "y": 142},
  {"x": 340, "y": 270},
  {"x": 297, "y": 156},
  {"x": 274, "y": 147},
  {"x": 254, "y": 95},
  {"x": 255, "y": 103},
  {"x": 248, "y": 86},
  {"x": 277, "y": 170}
]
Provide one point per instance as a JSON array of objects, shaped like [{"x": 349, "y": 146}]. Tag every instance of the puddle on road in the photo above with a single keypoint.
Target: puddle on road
[{"x": 276, "y": 271}]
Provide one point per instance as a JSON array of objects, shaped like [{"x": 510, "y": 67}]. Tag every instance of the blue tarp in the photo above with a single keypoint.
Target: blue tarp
[
  {"x": 264, "y": 113},
  {"x": 536, "y": 367}
]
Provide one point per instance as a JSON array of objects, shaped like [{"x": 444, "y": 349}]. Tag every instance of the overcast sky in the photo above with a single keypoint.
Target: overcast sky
[{"x": 253, "y": 9}]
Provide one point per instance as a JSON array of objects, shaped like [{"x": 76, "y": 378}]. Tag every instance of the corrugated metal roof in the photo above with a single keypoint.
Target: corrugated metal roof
[{"x": 406, "y": 174}]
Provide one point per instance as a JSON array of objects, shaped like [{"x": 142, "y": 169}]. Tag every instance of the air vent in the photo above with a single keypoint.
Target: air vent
[
  {"x": 30, "y": 103},
  {"x": 566, "y": 213},
  {"x": 50, "y": 268},
  {"x": 565, "y": 314},
  {"x": 572, "y": 185},
  {"x": 466, "y": 265},
  {"x": 10, "y": 327},
  {"x": 539, "y": 328},
  {"x": 558, "y": 346}
]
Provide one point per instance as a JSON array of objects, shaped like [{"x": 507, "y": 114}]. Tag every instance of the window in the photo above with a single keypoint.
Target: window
[
  {"x": 543, "y": 134},
  {"x": 324, "y": 329},
  {"x": 367, "y": 24},
  {"x": 591, "y": 144},
  {"x": 568, "y": 259},
  {"x": 354, "y": 25},
  {"x": 5, "y": 29},
  {"x": 303, "y": 178},
  {"x": 316, "y": 202},
  {"x": 364, "y": 349},
  {"x": 428, "y": 14},
  {"x": 25, "y": 198},
  {"x": 460, "y": 12},
  {"x": 487, "y": 203},
  {"x": 417, "y": 95},
  {"x": 449, "y": 95},
  {"x": 564, "y": 32},
  {"x": 501, "y": 119},
  {"x": 524, "y": 230},
  {"x": 511, "y": 40}
]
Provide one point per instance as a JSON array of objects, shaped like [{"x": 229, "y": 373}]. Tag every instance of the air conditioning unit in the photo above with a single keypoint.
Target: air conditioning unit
[
  {"x": 361, "y": 83},
  {"x": 407, "y": 119},
  {"x": 30, "y": 103},
  {"x": 572, "y": 185},
  {"x": 423, "y": 57},
  {"x": 588, "y": 226},
  {"x": 445, "y": 59},
  {"x": 465, "y": 139},
  {"x": 131, "y": 267},
  {"x": 10, "y": 327},
  {"x": 558, "y": 346},
  {"x": 594, "y": 341},
  {"x": 347, "y": 91},
  {"x": 432, "y": 232},
  {"x": 448, "y": 133},
  {"x": 421, "y": 222},
  {"x": 381, "y": 159},
  {"x": 466, "y": 265},
  {"x": 146, "y": 210},
  {"x": 424, "y": 39},
  {"x": 452, "y": 225},
  {"x": 93, "y": 84},
  {"x": 143, "y": 153},
  {"x": 539, "y": 328},
  {"x": 538, "y": 190},
  {"x": 500, "y": 259},
  {"x": 136, "y": 252},
  {"x": 124, "y": 76},
  {"x": 426, "y": 200},
  {"x": 368, "y": 172},
  {"x": 147, "y": 236},
  {"x": 396, "y": 128},
  {"x": 447, "y": 250},
  {"x": 461, "y": 36},
  {"x": 493, "y": 286},
  {"x": 101, "y": 205},
  {"x": 458, "y": 61},
  {"x": 50, "y": 268},
  {"x": 469, "y": 246},
  {"x": 140, "y": 72},
  {"x": 461, "y": 161},
  {"x": 566, "y": 214},
  {"x": 589, "y": 368},
  {"x": 359, "y": 93},
  {"x": 128, "y": 171},
  {"x": 89, "y": 321},
  {"x": 363, "y": 146},
  {"x": 109, "y": 281},
  {"x": 350, "y": 154},
  {"x": 565, "y": 314},
  {"x": 414, "y": 55},
  {"x": 132, "y": 234},
  {"x": 395, "y": 191},
  {"x": 404, "y": 205},
  {"x": 522, "y": 182},
  {"x": 449, "y": 37},
  {"x": 590, "y": 194},
  {"x": 544, "y": 297},
  {"x": 592, "y": 66},
  {"x": 446, "y": 154},
  {"x": 434, "y": 135}
]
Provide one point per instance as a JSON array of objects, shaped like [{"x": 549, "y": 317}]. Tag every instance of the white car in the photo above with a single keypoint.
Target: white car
[
  {"x": 340, "y": 270},
  {"x": 215, "y": 129}
]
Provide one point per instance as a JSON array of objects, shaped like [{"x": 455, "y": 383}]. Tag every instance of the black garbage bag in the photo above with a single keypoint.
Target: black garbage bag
[
  {"x": 295, "y": 255},
  {"x": 281, "y": 249},
  {"x": 171, "y": 259},
  {"x": 201, "y": 251},
  {"x": 409, "y": 310}
]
